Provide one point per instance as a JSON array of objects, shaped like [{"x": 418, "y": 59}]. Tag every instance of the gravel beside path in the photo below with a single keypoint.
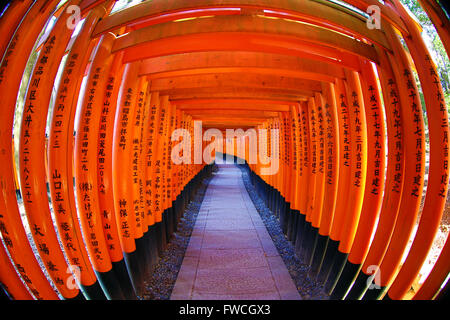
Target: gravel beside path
[
  {"x": 307, "y": 288},
  {"x": 160, "y": 285}
]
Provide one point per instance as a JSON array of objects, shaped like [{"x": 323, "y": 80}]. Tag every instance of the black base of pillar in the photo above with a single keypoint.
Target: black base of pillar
[
  {"x": 93, "y": 292},
  {"x": 336, "y": 269},
  {"x": 132, "y": 261},
  {"x": 348, "y": 276},
  {"x": 374, "y": 293},
  {"x": 292, "y": 230},
  {"x": 318, "y": 256},
  {"x": 78, "y": 297},
  {"x": 359, "y": 287},
  {"x": 160, "y": 236},
  {"x": 143, "y": 255},
  {"x": 175, "y": 215},
  {"x": 300, "y": 233},
  {"x": 306, "y": 241},
  {"x": 330, "y": 252},
  {"x": 110, "y": 285},
  {"x": 4, "y": 295},
  {"x": 121, "y": 272},
  {"x": 309, "y": 252},
  {"x": 167, "y": 219},
  {"x": 152, "y": 246},
  {"x": 285, "y": 215}
]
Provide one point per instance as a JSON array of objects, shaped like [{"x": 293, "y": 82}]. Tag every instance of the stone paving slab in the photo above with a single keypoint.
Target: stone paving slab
[
  {"x": 229, "y": 224},
  {"x": 234, "y": 281},
  {"x": 231, "y": 256},
  {"x": 243, "y": 239},
  {"x": 248, "y": 296}
]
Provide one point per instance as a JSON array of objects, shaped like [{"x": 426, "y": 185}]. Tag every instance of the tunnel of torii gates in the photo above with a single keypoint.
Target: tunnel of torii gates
[{"x": 338, "y": 99}]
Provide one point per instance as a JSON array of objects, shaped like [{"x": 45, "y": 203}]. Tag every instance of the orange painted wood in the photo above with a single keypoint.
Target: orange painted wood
[
  {"x": 331, "y": 158},
  {"x": 60, "y": 156},
  {"x": 303, "y": 114},
  {"x": 313, "y": 156},
  {"x": 85, "y": 156},
  {"x": 10, "y": 20},
  {"x": 10, "y": 279},
  {"x": 246, "y": 78},
  {"x": 196, "y": 63},
  {"x": 152, "y": 143},
  {"x": 32, "y": 159},
  {"x": 122, "y": 160},
  {"x": 136, "y": 120},
  {"x": 345, "y": 151},
  {"x": 295, "y": 151},
  {"x": 238, "y": 41},
  {"x": 13, "y": 233},
  {"x": 104, "y": 160},
  {"x": 376, "y": 164},
  {"x": 437, "y": 187},
  {"x": 395, "y": 166},
  {"x": 318, "y": 12},
  {"x": 414, "y": 163},
  {"x": 358, "y": 163}
]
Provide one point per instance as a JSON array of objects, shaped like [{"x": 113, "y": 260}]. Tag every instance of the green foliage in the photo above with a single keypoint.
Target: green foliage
[
  {"x": 437, "y": 52},
  {"x": 433, "y": 43}
]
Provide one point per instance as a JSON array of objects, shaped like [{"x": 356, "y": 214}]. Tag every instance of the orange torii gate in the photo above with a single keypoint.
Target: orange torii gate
[{"x": 338, "y": 99}]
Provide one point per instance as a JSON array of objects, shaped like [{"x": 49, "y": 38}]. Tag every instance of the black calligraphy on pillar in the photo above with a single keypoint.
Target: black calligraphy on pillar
[
  {"x": 313, "y": 141},
  {"x": 346, "y": 131},
  {"x": 358, "y": 140},
  {"x": 330, "y": 144},
  {"x": 444, "y": 126},
  {"x": 377, "y": 142},
  {"x": 418, "y": 133}
]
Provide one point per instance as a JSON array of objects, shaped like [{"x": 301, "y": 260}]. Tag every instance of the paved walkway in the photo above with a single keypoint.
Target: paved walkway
[{"x": 230, "y": 254}]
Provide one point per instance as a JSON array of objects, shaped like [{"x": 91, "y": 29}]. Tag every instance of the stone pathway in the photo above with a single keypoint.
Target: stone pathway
[{"x": 230, "y": 254}]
